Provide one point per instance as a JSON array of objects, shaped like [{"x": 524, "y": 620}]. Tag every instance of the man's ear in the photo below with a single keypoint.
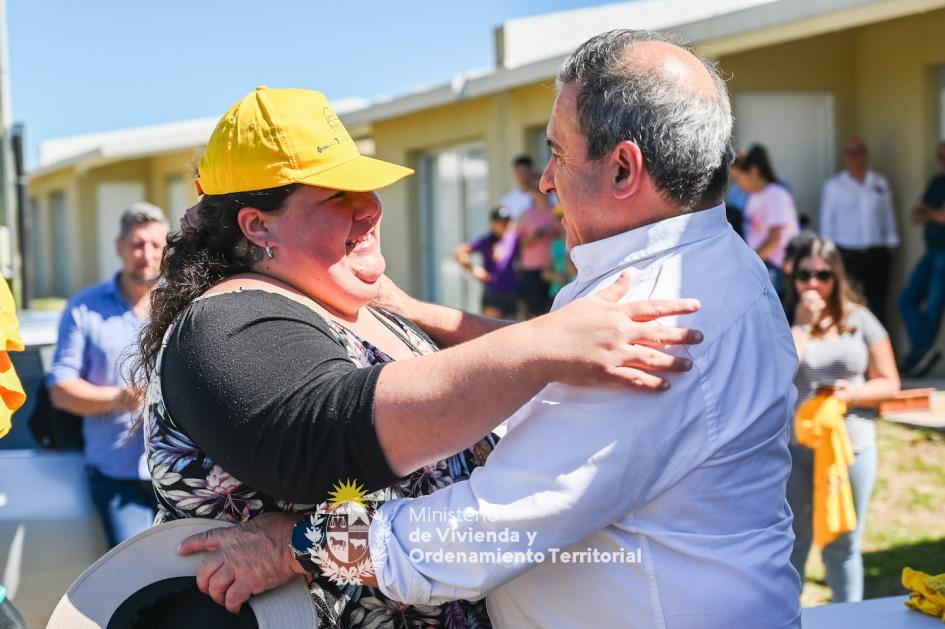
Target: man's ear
[
  {"x": 253, "y": 222},
  {"x": 627, "y": 167}
]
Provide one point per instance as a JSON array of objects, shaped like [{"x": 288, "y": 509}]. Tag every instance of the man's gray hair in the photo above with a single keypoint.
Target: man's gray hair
[
  {"x": 140, "y": 213},
  {"x": 685, "y": 137}
]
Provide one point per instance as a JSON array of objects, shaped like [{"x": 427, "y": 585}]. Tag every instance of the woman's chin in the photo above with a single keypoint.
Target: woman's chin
[{"x": 369, "y": 271}]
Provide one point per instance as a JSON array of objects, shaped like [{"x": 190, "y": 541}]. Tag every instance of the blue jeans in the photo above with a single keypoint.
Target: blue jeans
[
  {"x": 922, "y": 301},
  {"x": 126, "y": 507},
  {"x": 842, "y": 557}
]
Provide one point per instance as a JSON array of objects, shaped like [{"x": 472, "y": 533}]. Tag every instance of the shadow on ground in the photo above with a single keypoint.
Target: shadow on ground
[{"x": 883, "y": 568}]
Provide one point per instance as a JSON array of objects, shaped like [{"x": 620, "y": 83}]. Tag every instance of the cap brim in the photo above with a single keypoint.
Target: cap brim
[
  {"x": 151, "y": 556},
  {"x": 361, "y": 174}
]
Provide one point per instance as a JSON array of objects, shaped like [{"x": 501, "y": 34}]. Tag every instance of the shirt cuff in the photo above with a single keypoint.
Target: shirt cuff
[
  {"x": 397, "y": 577},
  {"x": 57, "y": 375}
]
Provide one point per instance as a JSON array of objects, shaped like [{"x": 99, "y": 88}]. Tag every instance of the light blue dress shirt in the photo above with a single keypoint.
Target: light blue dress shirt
[
  {"x": 647, "y": 509},
  {"x": 97, "y": 333}
]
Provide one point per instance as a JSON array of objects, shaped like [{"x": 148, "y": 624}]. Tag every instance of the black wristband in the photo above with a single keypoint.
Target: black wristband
[{"x": 308, "y": 536}]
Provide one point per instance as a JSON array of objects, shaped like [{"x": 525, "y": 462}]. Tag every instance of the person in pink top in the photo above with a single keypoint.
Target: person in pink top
[
  {"x": 537, "y": 229},
  {"x": 770, "y": 211}
]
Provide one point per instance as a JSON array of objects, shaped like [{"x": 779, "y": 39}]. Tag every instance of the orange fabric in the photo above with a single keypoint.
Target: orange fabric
[
  {"x": 819, "y": 426},
  {"x": 12, "y": 395}
]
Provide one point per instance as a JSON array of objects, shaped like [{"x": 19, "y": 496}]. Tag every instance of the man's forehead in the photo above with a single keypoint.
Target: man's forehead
[
  {"x": 143, "y": 231},
  {"x": 563, "y": 113}
]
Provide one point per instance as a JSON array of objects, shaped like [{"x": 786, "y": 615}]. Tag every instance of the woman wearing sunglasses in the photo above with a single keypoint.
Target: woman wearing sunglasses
[{"x": 841, "y": 344}]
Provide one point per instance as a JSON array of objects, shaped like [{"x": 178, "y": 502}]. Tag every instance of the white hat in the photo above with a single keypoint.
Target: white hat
[{"x": 151, "y": 557}]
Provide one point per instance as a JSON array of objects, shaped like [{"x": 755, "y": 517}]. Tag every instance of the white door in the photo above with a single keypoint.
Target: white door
[
  {"x": 113, "y": 199},
  {"x": 454, "y": 209},
  {"x": 797, "y": 128}
]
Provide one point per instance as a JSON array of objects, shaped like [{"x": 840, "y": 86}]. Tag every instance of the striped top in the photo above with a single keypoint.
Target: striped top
[{"x": 847, "y": 358}]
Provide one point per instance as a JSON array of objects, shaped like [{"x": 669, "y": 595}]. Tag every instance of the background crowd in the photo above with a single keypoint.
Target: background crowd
[{"x": 523, "y": 261}]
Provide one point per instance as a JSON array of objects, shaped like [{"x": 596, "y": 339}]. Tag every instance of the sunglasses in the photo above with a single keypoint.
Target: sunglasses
[{"x": 803, "y": 275}]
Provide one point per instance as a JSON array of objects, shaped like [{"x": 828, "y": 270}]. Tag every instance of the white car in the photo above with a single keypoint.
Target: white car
[{"x": 49, "y": 530}]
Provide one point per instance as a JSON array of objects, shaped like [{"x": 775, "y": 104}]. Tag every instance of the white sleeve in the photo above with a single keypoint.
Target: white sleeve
[
  {"x": 578, "y": 461},
  {"x": 889, "y": 217}
]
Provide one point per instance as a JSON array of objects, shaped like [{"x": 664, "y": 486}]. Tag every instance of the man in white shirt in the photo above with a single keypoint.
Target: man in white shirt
[
  {"x": 856, "y": 212},
  {"x": 608, "y": 507},
  {"x": 519, "y": 199}
]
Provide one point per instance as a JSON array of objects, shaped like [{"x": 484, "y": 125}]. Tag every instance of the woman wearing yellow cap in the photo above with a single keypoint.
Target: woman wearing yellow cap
[{"x": 272, "y": 380}]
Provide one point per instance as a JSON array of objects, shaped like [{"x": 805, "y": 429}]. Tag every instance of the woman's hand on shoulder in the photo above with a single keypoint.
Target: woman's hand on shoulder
[{"x": 597, "y": 341}]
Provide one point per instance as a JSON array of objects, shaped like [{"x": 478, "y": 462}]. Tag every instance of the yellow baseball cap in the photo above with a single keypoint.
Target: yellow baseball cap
[{"x": 274, "y": 137}]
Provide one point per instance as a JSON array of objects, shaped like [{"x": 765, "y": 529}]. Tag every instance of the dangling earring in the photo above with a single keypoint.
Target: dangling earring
[{"x": 268, "y": 251}]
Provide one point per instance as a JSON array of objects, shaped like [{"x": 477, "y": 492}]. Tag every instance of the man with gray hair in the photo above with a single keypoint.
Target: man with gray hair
[
  {"x": 613, "y": 507},
  {"x": 98, "y": 330}
]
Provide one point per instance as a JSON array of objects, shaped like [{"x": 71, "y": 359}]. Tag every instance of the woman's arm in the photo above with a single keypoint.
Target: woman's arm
[
  {"x": 772, "y": 242},
  {"x": 431, "y": 407},
  {"x": 291, "y": 414},
  {"x": 461, "y": 255},
  {"x": 447, "y": 326},
  {"x": 882, "y": 379},
  {"x": 801, "y": 334}
]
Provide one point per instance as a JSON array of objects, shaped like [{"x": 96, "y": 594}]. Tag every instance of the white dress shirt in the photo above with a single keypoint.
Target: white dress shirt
[
  {"x": 684, "y": 491},
  {"x": 518, "y": 202},
  {"x": 858, "y": 215}
]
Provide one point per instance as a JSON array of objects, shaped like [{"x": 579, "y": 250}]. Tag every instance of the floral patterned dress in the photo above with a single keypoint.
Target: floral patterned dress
[{"x": 189, "y": 484}]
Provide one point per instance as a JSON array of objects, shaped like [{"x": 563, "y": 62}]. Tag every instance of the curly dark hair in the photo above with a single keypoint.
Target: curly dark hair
[{"x": 195, "y": 260}]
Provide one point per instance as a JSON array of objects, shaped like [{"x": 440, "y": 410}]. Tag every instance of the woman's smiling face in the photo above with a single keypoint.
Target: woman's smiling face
[{"x": 326, "y": 243}]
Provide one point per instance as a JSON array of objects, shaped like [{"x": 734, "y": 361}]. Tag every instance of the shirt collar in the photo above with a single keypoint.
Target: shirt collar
[
  {"x": 867, "y": 179},
  {"x": 113, "y": 289},
  {"x": 600, "y": 257},
  {"x": 112, "y": 286}
]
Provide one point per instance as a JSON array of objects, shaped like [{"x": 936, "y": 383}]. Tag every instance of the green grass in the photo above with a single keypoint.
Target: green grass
[{"x": 905, "y": 524}]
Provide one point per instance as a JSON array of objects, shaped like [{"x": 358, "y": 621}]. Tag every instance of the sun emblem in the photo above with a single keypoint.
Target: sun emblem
[
  {"x": 347, "y": 491},
  {"x": 344, "y": 556}
]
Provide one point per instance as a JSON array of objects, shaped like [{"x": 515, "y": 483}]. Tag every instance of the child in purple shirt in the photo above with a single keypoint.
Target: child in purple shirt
[{"x": 499, "y": 250}]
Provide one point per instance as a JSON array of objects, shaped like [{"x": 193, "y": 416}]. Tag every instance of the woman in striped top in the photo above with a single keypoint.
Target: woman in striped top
[{"x": 841, "y": 344}]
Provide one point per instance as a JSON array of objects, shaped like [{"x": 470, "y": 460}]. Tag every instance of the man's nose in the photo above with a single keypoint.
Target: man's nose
[{"x": 547, "y": 182}]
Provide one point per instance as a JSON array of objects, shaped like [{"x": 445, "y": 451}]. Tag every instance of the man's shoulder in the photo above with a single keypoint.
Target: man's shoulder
[
  {"x": 723, "y": 273},
  {"x": 880, "y": 179},
  {"x": 92, "y": 296},
  {"x": 836, "y": 179}
]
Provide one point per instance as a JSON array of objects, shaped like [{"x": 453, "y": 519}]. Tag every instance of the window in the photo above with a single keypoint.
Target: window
[
  {"x": 58, "y": 219},
  {"x": 37, "y": 254},
  {"x": 536, "y": 145},
  {"x": 454, "y": 185},
  {"x": 176, "y": 200}
]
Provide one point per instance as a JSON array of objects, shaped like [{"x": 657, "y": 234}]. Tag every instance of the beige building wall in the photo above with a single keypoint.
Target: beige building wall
[
  {"x": 500, "y": 121},
  {"x": 163, "y": 168},
  {"x": 80, "y": 188},
  {"x": 883, "y": 78}
]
